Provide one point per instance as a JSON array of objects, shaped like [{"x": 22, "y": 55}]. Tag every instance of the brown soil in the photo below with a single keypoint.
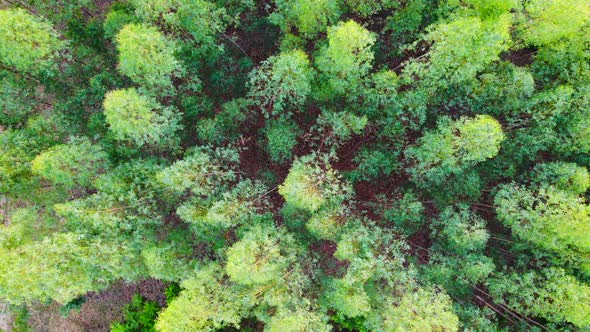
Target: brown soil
[{"x": 98, "y": 311}]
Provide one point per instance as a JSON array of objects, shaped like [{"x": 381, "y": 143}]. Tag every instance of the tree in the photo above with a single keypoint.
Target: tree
[
  {"x": 202, "y": 171},
  {"x": 77, "y": 163},
  {"x": 206, "y": 303},
  {"x": 452, "y": 60},
  {"x": 561, "y": 175},
  {"x": 203, "y": 21},
  {"x": 27, "y": 43},
  {"x": 529, "y": 293},
  {"x": 306, "y": 17},
  {"x": 146, "y": 56},
  {"x": 346, "y": 59},
  {"x": 298, "y": 320},
  {"x": 460, "y": 230},
  {"x": 454, "y": 147},
  {"x": 139, "y": 118},
  {"x": 552, "y": 20},
  {"x": 370, "y": 7},
  {"x": 548, "y": 218},
  {"x": 282, "y": 138},
  {"x": 312, "y": 184},
  {"x": 423, "y": 309},
  {"x": 60, "y": 267},
  {"x": 282, "y": 83},
  {"x": 260, "y": 257}
]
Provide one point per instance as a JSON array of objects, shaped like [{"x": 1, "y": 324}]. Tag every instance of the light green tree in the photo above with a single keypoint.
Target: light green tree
[
  {"x": 306, "y": 17},
  {"x": 139, "y": 118},
  {"x": 27, "y": 43},
  {"x": 146, "y": 56},
  {"x": 346, "y": 59},
  {"x": 262, "y": 256},
  {"x": 548, "y": 218},
  {"x": 282, "y": 83},
  {"x": 312, "y": 184},
  {"x": 454, "y": 147},
  {"x": 549, "y": 21},
  {"x": 76, "y": 163},
  {"x": 208, "y": 302},
  {"x": 529, "y": 293}
]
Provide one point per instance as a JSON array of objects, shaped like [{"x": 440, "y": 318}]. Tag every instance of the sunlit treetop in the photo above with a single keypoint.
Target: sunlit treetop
[
  {"x": 565, "y": 176},
  {"x": 139, "y": 118},
  {"x": 347, "y": 58},
  {"x": 460, "y": 49},
  {"x": 311, "y": 184},
  {"x": 203, "y": 20},
  {"x": 262, "y": 255},
  {"x": 455, "y": 146},
  {"x": 306, "y": 17},
  {"x": 75, "y": 163},
  {"x": 27, "y": 43},
  {"x": 548, "y": 21},
  {"x": 282, "y": 82},
  {"x": 146, "y": 56}
]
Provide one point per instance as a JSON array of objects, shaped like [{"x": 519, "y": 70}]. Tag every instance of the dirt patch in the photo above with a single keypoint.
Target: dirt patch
[{"x": 100, "y": 309}]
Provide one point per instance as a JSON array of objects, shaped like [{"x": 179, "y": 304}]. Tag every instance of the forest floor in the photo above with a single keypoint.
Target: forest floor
[{"x": 99, "y": 310}]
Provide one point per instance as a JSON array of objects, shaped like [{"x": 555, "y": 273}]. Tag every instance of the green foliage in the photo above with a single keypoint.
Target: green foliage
[
  {"x": 281, "y": 83},
  {"x": 139, "y": 118},
  {"x": 460, "y": 230},
  {"x": 17, "y": 99},
  {"x": 60, "y": 267},
  {"x": 140, "y": 316},
  {"x": 261, "y": 256},
  {"x": 74, "y": 164},
  {"x": 27, "y": 43},
  {"x": 300, "y": 320},
  {"x": 202, "y": 171},
  {"x": 346, "y": 59},
  {"x": 564, "y": 176},
  {"x": 552, "y": 20},
  {"x": 206, "y": 303},
  {"x": 370, "y": 7},
  {"x": 230, "y": 208},
  {"x": 306, "y": 17},
  {"x": 312, "y": 184},
  {"x": 146, "y": 56},
  {"x": 529, "y": 293},
  {"x": 210, "y": 143},
  {"x": 452, "y": 60},
  {"x": 548, "y": 218},
  {"x": 420, "y": 310},
  {"x": 454, "y": 147},
  {"x": 282, "y": 138},
  {"x": 406, "y": 213},
  {"x": 227, "y": 124},
  {"x": 115, "y": 21}
]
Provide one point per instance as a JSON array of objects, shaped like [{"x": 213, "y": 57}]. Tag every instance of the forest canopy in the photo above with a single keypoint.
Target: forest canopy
[{"x": 295, "y": 165}]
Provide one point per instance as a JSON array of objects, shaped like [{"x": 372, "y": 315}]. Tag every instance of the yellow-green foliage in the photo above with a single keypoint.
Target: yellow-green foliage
[
  {"x": 139, "y": 118},
  {"x": 260, "y": 257},
  {"x": 548, "y": 21},
  {"x": 27, "y": 42},
  {"x": 454, "y": 147},
  {"x": 347, "y": 58},
  {"x": 146, "y": 56},
  {"x": 307, "y": 17},
  {"x": 206, "y": 303},
  {"x": 75, "y": 163}
]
